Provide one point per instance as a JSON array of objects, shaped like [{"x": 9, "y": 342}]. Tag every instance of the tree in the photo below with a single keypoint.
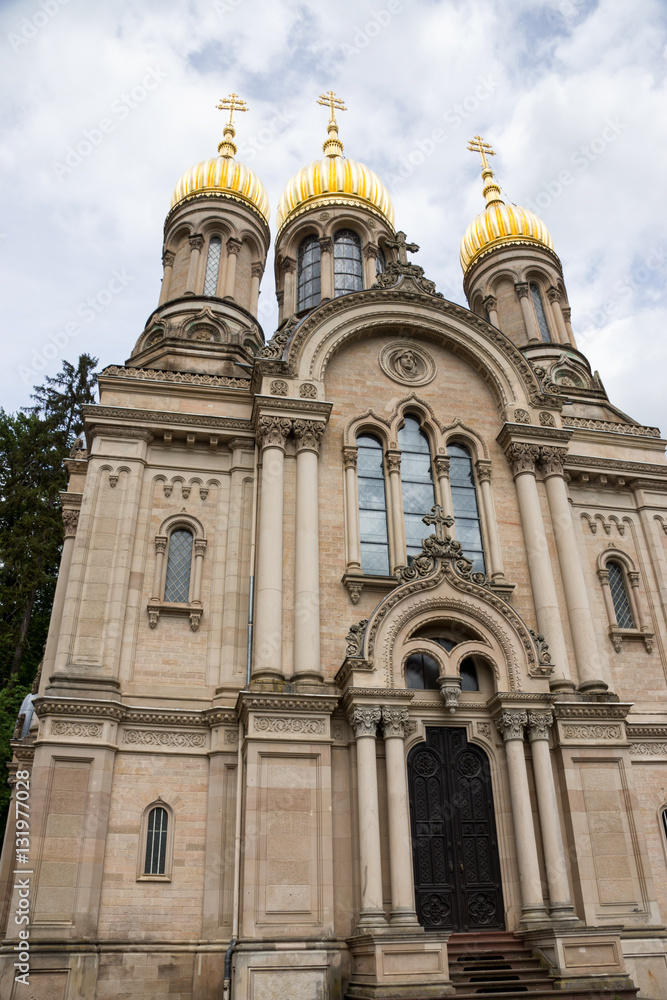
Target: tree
[{"x": 61, "y": 399}]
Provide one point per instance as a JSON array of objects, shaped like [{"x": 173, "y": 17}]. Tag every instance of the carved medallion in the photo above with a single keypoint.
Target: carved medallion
[{"x": 403, "y": 362}]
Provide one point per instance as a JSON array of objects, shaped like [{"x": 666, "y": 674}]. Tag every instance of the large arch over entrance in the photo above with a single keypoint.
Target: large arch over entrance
[{"x": 454, "y": 841}]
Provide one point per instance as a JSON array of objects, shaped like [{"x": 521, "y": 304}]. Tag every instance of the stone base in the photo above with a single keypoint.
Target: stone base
[
  {"x": 295, "y": 970},
  {"x": 582, "y": 957},
  {"x": 391, "y": 966}
]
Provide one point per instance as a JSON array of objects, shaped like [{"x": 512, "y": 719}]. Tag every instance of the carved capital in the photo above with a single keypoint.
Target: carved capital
[
  {"x": 552, "y": 460},
  {"x": 71, "y": 522},
  {"x": 326, "y": 244},
  {"x": 308, "y": 434},
  {"x": 233, "y": 245},
  {"x": 553, "y": 294},
  {"x": 257, "y": 269},
  {"x": 350, "y": 458},
  {"x": 511, "y": 723},
  {"x": 490, "y": 303},
  {"x": 200, "y": 546},
  {"x": 483, "y": 470},
  {"x": 161, "y": 543},
  {"x": 567, "y": 314},
  {"x": 168, "y": 258},
  {"x": 272, "y": 431},
  {"x": 371, "y": 250},
  {"x": 393, "y": 722},
  {"x": 288, "y": 265},
  {"x": 442, "y": 464},
  {"x": 633, "y": 577},
  {"x": 522, "y": 290},
  {"x": 522, "y": 457},
  {"x": 603, "y": 574},
  {"x": 364, "y": 721},
  {"x": 196, "y": 242},
  {"x": 539, "y": 724},
  {"x": 393, "y": 461}
]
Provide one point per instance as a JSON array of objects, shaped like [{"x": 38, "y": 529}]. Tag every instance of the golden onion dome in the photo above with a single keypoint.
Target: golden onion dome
[
  {"x": 334, "y": 180},
  {"x": 499, "y": 224}
]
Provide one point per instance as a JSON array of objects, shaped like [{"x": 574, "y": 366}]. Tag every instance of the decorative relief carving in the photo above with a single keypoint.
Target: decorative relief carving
[
  {"x": 648, "y": 750},
  {"x": 410, "y": 727},
  {"x": 113, "y": 479},
  {"x": 193, "y": 378},
  {"x": 521, "y": 417},
  {"x": 598, "y": 732},
  {"x": 522, "y": 457},
  {"x": 231, "y": 736},
  {"x": 282, "y": 724},
  {"x": 308, "y": 434},
  {"x": 511, "y": 723},
  {"x": 71, "y": 522},
  {"x": 141, "y": 737},
  {"x": 393, "y": 721},
  {"x": 354, "y": 588},
  {"x": 484, "y": 729},
  {"x": 539, "y": 724},
  {"x": 547, "y": 419},
  {"x": 272, "y": 431},
  {"x": 543, "y": 654},
  {"x": 279, "y": 387},
  {"x": 636, "y": 430},
  {"x": 185, "y": 491},
  {"x": 349, "y": 458},
  {"x": 442, "y": 464},
  {"x": 91, "y": 730},
  {"x": 406, "y": 363},
  {"x": 364, "y": 721},
  {"x": 355, "y": 638},
  {"x": 393, "y": 460},
  {"x": 307, "y": 391}
]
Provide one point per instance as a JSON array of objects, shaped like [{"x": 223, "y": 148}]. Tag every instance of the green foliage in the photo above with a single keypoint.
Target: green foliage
[{"x": 10, "y": 702}]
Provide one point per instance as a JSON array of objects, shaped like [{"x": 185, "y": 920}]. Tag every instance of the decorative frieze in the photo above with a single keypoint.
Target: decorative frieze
[
  {"x": 87, "y": 730},
  {"x": 648, "y": 750},
  {"x": 298, "y": 725},
  {"x": 183, "y": 378},
  {"x": 592, "y": 732},
  {"x": 156, "y": 738}
]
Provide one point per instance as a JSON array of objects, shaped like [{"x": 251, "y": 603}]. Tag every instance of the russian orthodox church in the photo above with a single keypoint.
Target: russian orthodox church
[{"x": 356, "y": 678}]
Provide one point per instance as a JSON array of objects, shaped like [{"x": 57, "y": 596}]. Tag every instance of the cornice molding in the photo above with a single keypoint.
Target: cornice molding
[
  {"x": 128, "y": 415},
  {"x": 47, "y": 706},
  {"x": 179, "y": 378},
  {"x": 616, "y": 465}
]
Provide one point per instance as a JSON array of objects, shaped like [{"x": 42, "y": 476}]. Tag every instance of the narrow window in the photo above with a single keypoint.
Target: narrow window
[
  {"x": 156, "y": 842},
  {"x": 663, "y": 817},
  {"x": 417, "y": 483},
  {"x": 348, "y": 275},
  {"x": 380, "y": 262},
  {"x": 308, "y": 273},
  {"x": 464, "y": 503},
  {"x": 372, "y": 507},
  {"x": 619, "y": 596},
  {"x": 539, "y": 312},
  {"x": 212, "y": 266},
  {"x": 179, "y": 562},
  {"x": 468, "y": 671},
  {"x": 422, "y": 672}
]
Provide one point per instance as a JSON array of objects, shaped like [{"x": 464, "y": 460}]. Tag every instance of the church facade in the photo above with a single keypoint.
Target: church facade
[{"x": 357, "y": 662}]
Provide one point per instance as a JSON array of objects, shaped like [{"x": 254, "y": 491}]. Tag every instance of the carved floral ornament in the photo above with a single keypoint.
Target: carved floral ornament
[
  {"x": 364, "y": 721},
  {"x": 272, "y": 432},
  {"x": 407, "y": 363},
  {"x": 393, "y": 722},
  {"x": 71, "y": 522},
  {"x": 511, "y": 724}
]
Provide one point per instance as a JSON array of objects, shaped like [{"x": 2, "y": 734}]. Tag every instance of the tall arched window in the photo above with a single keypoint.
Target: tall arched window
[
  {"x": 179, "y": 563},
  {"x": 212, "y": 266},
  {"x": 422, "y": 672},
  {"x": 372, "y": 507},
  {"x": 619, "y": 595},
  {"x": 308, "y": 273},
  {"x": 464, "y": 504},
  {"x": 536, "y": 296},
  {"x": 417, "y": 483},
  {"x": 348, "y": 273},
  {"x": 156, "y": 842},
  {"x": 380, "y": 262}
]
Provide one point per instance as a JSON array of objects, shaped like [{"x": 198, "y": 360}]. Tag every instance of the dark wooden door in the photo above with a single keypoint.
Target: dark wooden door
[{"x": 454, "y": 843}]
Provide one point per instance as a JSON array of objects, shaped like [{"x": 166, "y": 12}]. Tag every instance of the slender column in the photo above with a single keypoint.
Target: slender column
[
  {"x": 554, "y": 298},
  {"x": 483, "y": 470},
  {"x": 511, "y": 723},
  {"x": 272, "y": 433},
  {"x": 633, "y": 594},
  {"x": 71, "y": 521},
  {"x": 574, "y": 583},
  {"x": 400, "y": 844},
  {"x": 371, "y": 251},
  {"x": 168, "y": 258},
  {"x": 160, "y": 548},
  {"x": 200, "y": 548},
  {"x": 442, "y": 463},
  {"x": 529, "y": 318},
  {"x": 567, "y": 314},
  {"x": 257, "y": 270},
  {"x": 196, "y": 243},
  {"x": 399, "y": 552},
  {"x": 603, "y": 577},
  {"x": 288, "y": 268},
  {"x": 364, "y": 723},
  {"x": 560, "y": 905},
  {"x": 233, "y": 246},
  {"x": 352, "y": 509},
  {"x": 490, "y": 303},
  {"x": 308, "y": 434},
  {"x": 522, "y": 458},
  {"x": 326, "y": 268}
]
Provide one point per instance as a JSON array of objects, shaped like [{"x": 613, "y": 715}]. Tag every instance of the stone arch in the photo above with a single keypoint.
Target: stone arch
[
  {"x": 458, "y": 431},
  {"x": 370, "y": 423}
]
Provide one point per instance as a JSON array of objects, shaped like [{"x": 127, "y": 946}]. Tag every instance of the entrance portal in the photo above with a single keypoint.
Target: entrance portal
[{"x": 454, "y": 843}]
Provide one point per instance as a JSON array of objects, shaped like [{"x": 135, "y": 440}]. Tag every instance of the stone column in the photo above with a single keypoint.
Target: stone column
[
  {"x": 168, "y": 258},
  {"x": 490, "y": 303},
  {"x": 371, "y": 251},
  {"x": 511, "y": 723},
  {"x": 560, "y": 905},
  {"x": 326, "y": 268},
  {"x": 584, "y": 640},
  {"x": 522, "y": 458},
  {"x": 200, "y": 548},
  {"x": 257, "y": 270},
  {"x": 635, "y": 604},
  {"x": 495, "y": 559},
  {"x": 233, "y": 246},
  {"x": 567, "y": 315},
  {"x": 442, "y": 463},
  {"x": 308, "y": 434},
  {"x": 288, "y": 267},
  {"x": 70, "y": 521},
  {"x": 529, "y": 318},
  {"x": 196, "y": 243},
  {"x": 603, "y": 577},
  {"x": 364, "y": 723},
  {"x": 272, "y": 433},
  {"x": 160, "y": 549},
  {"x": 400, "y": 843},
  {"x": 352, "y": 509},
  {"x": 398, "y": 554},
  {"x": 554, "y": 298}
]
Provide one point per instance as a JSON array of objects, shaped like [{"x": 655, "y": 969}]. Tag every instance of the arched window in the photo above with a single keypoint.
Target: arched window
[
  {"x": 619, "y": 595},
  {"x": 468, "y": 671},
  {"x": 372, "y": 507},
  {"x": 212, "y": 266},
  {"x": 308, "y": 273},
  {"x": 464, "y": 504},
  {"x": 417, "y": 483},
  {"x": 156, "y": 842},
  {"x": 179, "y": 563},
  {"x": 422, "y": 672},
  {"x": 663, "y": 818},
  {"x": 380, "y": 262},
  {"x": 536, "y": 296},
  {"x": 348, "y": 273}
]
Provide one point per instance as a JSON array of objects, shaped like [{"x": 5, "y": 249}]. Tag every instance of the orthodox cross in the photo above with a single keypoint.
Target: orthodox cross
[
  {"x": 333, "y": 103},
  {"x": 440, "y": 521},
  {"x": 402, "y": 247},
  {"x": 477, "y": 145},
  {"x": 232, "y": 103}
]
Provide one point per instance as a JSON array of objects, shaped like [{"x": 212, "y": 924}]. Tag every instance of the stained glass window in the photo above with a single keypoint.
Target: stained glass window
[
  {"x": 417, "y": 483},
  {"x": 539, "y": 312},
  {"x": 464, "y": 503},
  {"x": 156, "y": 842},
  {"x": 308, "y": 273},
  {"x": 348, "y": 273},
  {"x": 212, "y": 266},
  {"x": 179, "y": 562},
  {"x": 372, "y": 507},
  {"x": 422, "y": 671},
  {"x": 619, "y": 596}
]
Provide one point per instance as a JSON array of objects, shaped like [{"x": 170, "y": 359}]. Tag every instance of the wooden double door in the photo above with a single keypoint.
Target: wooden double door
[{"x": 454, "y": 842}]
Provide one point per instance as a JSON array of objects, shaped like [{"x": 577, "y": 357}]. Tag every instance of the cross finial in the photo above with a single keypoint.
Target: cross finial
[
  {"x": 477, "y": 145},
  {"x": 402, "y": 247},
  {"x": 440, "y": 522},
  {"x": 333, "y": 102},
  {"x": 232, "y": 103},
  {"x": 332, "y": 144}
]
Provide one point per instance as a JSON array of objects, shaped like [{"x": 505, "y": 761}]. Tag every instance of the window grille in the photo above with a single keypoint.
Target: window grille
[
  {"x": 308, "y": 273},
  {"x": 179, "y": 563},
  {"x": 619, "y": 596},
  {"x": 212, "y": 266},
  {"x": 464, "y": 503},
  {"x": 348, "y": 273},
  {"x": 372, "y": 507},
  {"x": 417, "y": 483},
  {"x": 156, "y": 842},
  {"x": 539, "y": 312}
]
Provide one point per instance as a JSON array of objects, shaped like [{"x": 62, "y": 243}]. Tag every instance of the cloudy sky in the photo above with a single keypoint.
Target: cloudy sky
[{"x": 570, "y": 92}]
